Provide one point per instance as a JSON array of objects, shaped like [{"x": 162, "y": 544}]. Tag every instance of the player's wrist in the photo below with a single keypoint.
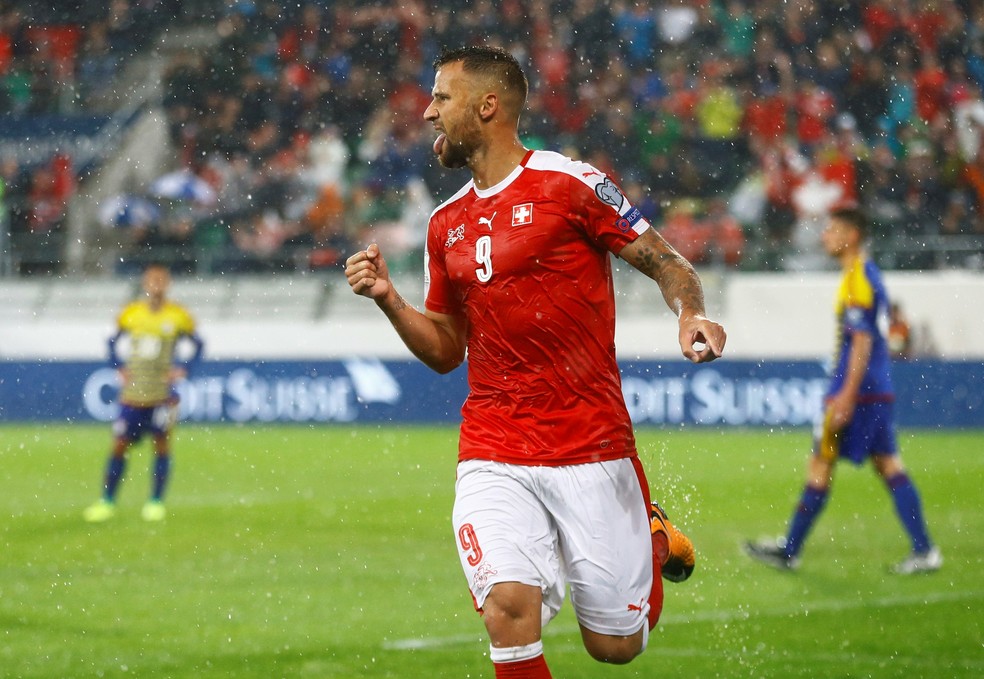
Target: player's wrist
[
  {"x": 690, "y": 316},
  {"x": 390, "y": 301}
]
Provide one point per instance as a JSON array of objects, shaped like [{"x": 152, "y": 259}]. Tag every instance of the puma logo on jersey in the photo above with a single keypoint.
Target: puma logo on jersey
[{"x": 487, "y": 221}]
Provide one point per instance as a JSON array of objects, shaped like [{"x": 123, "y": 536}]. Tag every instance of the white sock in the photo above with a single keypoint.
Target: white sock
[{"x": 515, "y": 653}]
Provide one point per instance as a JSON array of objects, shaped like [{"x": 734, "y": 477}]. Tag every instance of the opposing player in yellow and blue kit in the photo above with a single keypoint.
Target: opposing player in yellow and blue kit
[
  {"x": 154, "y": 326},
  {"x": 857, "y": 422}
]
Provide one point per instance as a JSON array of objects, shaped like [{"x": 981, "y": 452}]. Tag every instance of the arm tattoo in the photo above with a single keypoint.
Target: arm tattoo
[{"x": 676, "y": 277}]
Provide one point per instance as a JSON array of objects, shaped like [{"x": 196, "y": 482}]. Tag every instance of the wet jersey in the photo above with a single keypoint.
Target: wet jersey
[
  {"x": 153, "y": 338},
  {"x": 861, "y": 305},
  {"x": 527, "y": 263}
]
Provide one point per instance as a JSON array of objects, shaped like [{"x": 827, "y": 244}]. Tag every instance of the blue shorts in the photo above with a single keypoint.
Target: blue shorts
[
  {"x": 870, "y": 432},
  {"x": 135, "y": 421}
]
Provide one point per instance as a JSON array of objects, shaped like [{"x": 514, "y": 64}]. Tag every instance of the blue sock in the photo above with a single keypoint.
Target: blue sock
[
  {"x": 114, "y": 474},
  {"x": 162, "y": 470},
  {"x": 909, "y": 509},
  {"x": 809, "y": 507}
]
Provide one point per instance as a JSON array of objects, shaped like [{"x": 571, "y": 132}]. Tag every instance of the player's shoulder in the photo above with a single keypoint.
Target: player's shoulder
[
  {"x": 876, "y": 281},
  {"x": 133, "y": 306},
  {"x": 593, "y": 186},
  {"x": 861, "y": 283},
  {"x": 454, "y": 201},
  {"x": 179, "y": 312},
  {"x": 579, "y": 177},
  {"x": 131, "y": 310},
  {"x": 552, "y": 161},
  {"x": 872, "y": 271},
  {"x": 175, "y": 306},
  {"x": 866, "y": 272}
]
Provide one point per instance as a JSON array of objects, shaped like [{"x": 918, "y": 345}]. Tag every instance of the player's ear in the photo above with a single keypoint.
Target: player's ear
[{"x": 488, "y": 105}]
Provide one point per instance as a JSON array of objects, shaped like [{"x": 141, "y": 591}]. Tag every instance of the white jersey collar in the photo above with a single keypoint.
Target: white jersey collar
[{"x": 501, "y": 186}]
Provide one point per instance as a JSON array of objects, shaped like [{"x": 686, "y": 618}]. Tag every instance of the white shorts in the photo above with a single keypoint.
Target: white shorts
[{"x": 583, "y": 525}]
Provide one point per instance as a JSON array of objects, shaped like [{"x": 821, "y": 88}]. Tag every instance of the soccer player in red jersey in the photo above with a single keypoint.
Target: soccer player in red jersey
[{"x": 550, "y": 492}]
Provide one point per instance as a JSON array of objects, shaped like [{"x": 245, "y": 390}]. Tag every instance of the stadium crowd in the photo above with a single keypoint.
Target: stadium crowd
[
  {"x": 58, "y": 60},
  {"x": 734, "y": 125}
]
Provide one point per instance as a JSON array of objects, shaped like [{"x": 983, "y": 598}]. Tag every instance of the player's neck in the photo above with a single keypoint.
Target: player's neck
[
  {"x": 850, "y": 256},
  {"x": 496, "y": 162},
  {"x": 155, "y": 302}
]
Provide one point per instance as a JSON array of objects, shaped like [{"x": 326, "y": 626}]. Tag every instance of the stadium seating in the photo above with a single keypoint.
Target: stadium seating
[{"x": 305, "y": 122}]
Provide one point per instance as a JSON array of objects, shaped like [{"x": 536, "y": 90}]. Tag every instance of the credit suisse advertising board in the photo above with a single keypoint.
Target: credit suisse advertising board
[{"x": 930, "y": 393}]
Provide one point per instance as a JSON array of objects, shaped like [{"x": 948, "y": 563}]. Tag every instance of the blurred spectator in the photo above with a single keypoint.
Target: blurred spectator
[
  {"x": 883, "y": 193},
  {"x": 636, "y": 29},
  {"x": 15, "y": 181},
  {"x": 738, "y": 27},
  {"x": 97, "y": 67},
  {"x": 839, "y": 155},
  {"x": 51, "y": 187},
  {"x": 899, "y": 333},
  {"x": 931, "y": 85},
  {"x": 682, "y": 230},
  {"x": 726, "y": 239},
  {"x": 704, "y": 233},
  {"x": 866, "y": 94},
  {"x": 782, "y": 169},
  {"x": 719, "y": 116},
  {"x": 968, "y": 120},
  {"x": 815, "y": 110}
]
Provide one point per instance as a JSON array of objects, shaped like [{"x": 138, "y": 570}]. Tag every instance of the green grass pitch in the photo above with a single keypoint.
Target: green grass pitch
[{"x": 326, "y": 552}]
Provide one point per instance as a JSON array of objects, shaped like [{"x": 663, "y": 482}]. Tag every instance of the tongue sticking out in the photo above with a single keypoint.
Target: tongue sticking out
[{"x": 439, "y": 142}]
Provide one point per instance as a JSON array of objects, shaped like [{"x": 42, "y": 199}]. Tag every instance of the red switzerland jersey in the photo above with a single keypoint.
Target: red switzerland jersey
[{"x": 527, "y": 262}]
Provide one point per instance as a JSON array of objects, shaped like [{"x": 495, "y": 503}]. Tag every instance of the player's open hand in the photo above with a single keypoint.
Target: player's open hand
[
  {"x": 701, "y": 339},
  {"x": 367, "y": 273}
]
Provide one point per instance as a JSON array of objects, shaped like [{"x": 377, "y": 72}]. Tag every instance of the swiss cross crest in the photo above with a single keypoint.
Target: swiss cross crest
[
  {"x": 522, "y": 214},
  {"x": 482, "y": 575},
  {"x": 454, "y": 235}
]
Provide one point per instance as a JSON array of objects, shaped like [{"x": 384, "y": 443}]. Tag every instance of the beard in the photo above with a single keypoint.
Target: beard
[
  {"x": 453, "y": 156},
  {"x": 456, "y": 154}
]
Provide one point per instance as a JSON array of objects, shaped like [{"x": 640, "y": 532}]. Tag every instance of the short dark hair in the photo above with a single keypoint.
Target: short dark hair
[
  {"x": 853, "y": 216},
  {"x": 493, "y": 62}
]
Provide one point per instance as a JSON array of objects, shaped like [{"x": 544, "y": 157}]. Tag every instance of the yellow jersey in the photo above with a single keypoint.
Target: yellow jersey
[{"x": 153, "y": 338}]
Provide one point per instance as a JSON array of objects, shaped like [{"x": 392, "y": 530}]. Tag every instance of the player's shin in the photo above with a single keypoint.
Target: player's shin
[
  {"x": 115, "y": 468},
  {"x": 161, "y": 474}
]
